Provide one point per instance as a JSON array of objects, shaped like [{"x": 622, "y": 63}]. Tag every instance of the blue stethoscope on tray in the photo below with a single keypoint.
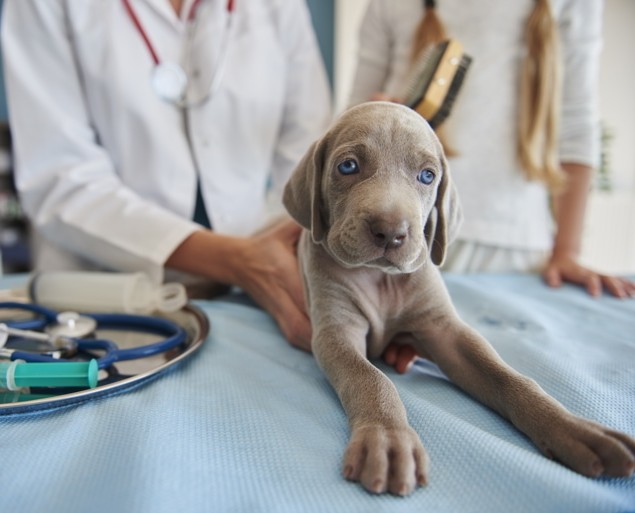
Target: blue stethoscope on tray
[
  {"x": 62, "y": 335},
  {"x": 169, "y": 79}
]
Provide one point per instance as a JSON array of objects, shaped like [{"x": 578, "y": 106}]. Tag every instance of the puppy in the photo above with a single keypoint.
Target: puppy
[{"x": 376, "y": 201}]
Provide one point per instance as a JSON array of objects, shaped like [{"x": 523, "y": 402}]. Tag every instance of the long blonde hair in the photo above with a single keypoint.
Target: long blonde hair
[{"x": 539, "y": 94}]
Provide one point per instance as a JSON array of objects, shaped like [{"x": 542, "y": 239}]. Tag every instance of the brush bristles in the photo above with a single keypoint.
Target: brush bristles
[
  {"x": 435, "y": 80},
  {"x": 421, "y": 74}
]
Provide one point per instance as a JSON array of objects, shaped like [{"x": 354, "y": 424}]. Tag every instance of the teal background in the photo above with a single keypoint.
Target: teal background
[
  {"x": 323, "y": 14},
  {"x": 3, "y": 103}
]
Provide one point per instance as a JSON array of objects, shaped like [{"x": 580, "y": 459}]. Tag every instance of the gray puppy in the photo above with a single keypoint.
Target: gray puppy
[{"x": 375, "y": 197}]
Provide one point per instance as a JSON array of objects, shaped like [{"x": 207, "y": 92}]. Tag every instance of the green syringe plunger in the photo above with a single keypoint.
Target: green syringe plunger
[{"x": 19, "y": 374}]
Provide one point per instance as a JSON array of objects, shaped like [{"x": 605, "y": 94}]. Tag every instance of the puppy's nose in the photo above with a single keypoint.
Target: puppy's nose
[{"x": 387, "y": 234}]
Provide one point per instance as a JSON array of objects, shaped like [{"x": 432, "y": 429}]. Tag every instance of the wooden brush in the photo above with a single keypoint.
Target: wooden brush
[{"x": 435, "y": 80}]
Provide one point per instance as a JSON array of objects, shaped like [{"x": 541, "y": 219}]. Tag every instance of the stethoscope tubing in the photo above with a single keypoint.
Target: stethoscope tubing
[
  {"x": 174, "y": 335},
  {"x": 217, "y": 75},
  {"x": 45, "y": 315},
  {"x": 144, "y": 35}
]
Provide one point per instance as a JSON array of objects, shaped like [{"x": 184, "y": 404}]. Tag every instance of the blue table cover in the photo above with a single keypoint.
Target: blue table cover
[{"x": 249, "y": 424}]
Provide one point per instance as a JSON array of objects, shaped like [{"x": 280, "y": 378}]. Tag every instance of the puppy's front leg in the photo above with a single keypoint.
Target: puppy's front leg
[
  {"x": 584, "y": 446},
  {"x": 384, "y": 452}
]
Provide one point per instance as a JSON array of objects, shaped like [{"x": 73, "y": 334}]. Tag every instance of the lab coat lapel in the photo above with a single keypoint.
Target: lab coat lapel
[{"x": 165, "y": 9}]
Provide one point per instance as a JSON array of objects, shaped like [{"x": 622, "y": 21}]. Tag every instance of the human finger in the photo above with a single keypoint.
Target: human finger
[
  {"x": 390, "y": 354},
  {"x": 290, "y": 316},
  {"x": 629, "y": 287},
  {"x": 378, "y": 97},
  {"x": 618, "y": 286},
  {"x": 295, "y": 326},
  {"x": 593, "y": 284},
  {"x": 399, "y": 356},
  {"x": 552, "y": 277},
  {"x": 293, "y": 282},
  {"x": 280, "y": 246},
  {"x": 615, "y": 286},
  {"x": 289, "y": 230},
  {"x": 406, "y": 356}
]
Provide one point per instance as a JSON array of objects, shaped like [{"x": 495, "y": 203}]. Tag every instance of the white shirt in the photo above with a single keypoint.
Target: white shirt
[
  {"x": 500, "y": 206},
  {"x": 104, "y": 167}
]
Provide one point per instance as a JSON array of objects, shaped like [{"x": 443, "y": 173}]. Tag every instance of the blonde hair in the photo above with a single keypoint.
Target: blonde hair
[{"x": 539, "y": 90}]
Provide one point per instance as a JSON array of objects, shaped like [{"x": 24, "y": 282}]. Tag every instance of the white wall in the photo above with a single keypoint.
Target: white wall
[
  {"x": 348, "y": 14},
  {"x": 609, "y": 239},
  {"x": 617, "y": 88}
]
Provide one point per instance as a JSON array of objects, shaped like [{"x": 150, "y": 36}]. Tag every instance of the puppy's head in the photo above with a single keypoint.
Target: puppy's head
[{"x": 375, "y": 190}]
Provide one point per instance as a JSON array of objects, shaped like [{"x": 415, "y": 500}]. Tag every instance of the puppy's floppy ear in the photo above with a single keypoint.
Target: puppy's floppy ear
[
  {"x": 302, "y": 194},
  {"x": 443, "y": 222}
]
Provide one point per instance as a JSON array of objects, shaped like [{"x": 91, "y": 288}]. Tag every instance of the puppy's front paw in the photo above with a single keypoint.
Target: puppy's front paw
[
  {"x": 386, "y": 459},
  {"x": 589, "y": 448}
]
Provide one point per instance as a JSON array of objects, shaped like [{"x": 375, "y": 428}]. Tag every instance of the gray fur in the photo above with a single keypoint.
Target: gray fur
[{"x": 369, "y": 258}]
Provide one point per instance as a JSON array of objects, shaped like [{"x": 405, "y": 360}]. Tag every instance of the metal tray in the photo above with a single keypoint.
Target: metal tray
[{"x": 129, "y": 374}]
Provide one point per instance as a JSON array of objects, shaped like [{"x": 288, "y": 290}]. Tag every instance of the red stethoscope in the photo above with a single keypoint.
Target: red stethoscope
[{"x": 169, "y": 79}]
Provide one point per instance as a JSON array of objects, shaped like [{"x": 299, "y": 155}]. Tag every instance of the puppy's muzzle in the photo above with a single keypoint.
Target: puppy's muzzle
[{"x": 388, "y": 234}]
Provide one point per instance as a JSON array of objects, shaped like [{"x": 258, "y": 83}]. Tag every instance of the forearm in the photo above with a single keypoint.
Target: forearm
[
  {"x": 208, "y": 254},
  {"x": 569, "y": 209}
]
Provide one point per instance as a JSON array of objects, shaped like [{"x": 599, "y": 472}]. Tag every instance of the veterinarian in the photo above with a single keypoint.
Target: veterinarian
[
  {"x": 150, "y": 134},
  {"x": 523, "y": 191}
]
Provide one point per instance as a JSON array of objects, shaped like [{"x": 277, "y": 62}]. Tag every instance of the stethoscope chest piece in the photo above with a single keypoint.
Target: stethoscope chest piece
[
  {"x": 169, "y": 81},
  {"x": 71, "y": 324}
]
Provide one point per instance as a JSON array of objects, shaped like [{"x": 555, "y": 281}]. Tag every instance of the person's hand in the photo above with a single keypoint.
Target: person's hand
[
  {"x": 383, "y": 97},
  {"x": 400, "y": 356},
  {"x": 564, "y": 268},
  {"x": 270, "y": 275}
]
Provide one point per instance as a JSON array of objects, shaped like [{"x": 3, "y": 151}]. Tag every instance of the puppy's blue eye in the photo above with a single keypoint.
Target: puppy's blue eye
[
  {"x": 348, "y": 167},
  {"x": 426, "y": 176}
]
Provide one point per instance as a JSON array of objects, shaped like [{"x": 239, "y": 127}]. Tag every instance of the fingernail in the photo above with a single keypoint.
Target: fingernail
[{"x": 597, "y": 468}]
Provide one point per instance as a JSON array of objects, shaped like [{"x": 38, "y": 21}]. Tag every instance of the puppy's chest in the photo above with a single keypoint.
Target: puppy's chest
[{"x": 392, "y": 306}]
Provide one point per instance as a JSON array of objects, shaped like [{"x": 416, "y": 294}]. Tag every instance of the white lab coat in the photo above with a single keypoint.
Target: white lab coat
[{"x": 104, "y": 167}]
